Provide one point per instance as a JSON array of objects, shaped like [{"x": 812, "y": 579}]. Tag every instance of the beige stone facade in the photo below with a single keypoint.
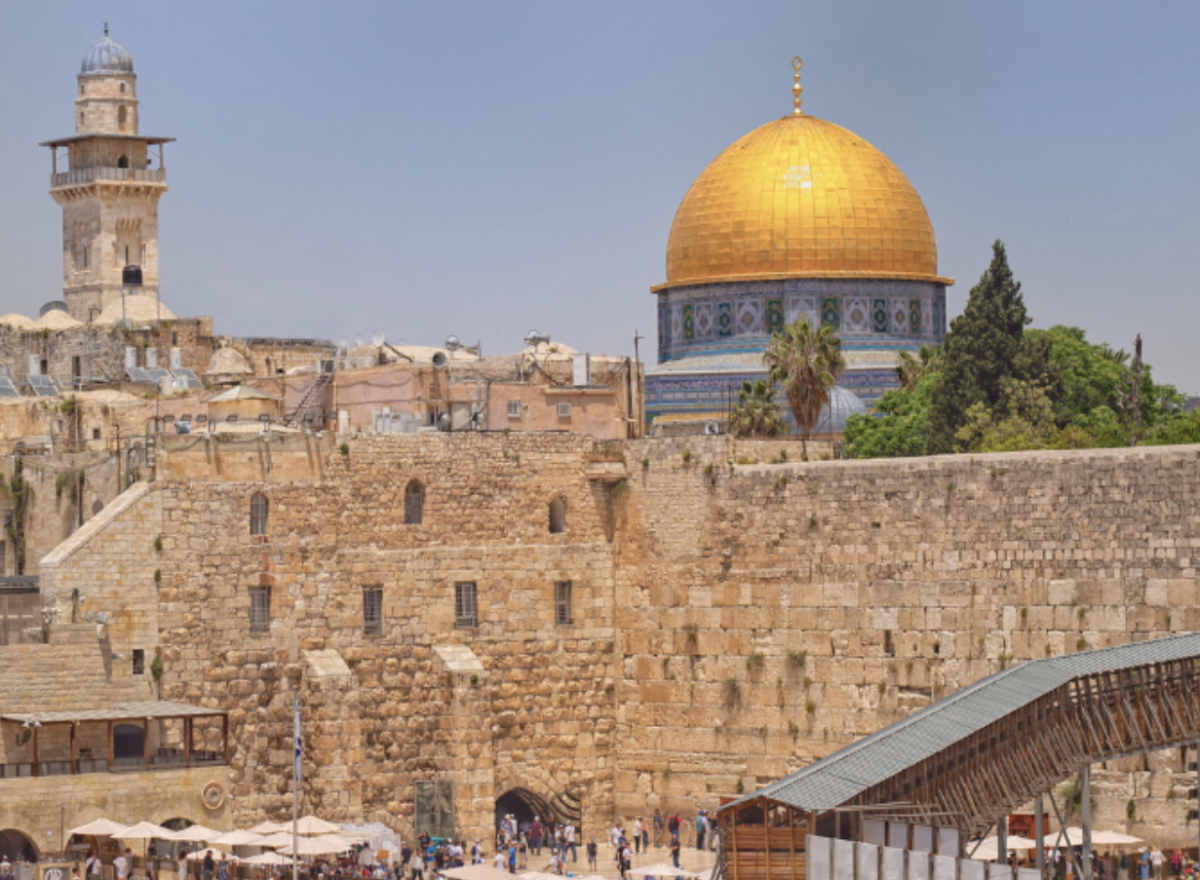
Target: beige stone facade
[{"x": 728, "y": 622}]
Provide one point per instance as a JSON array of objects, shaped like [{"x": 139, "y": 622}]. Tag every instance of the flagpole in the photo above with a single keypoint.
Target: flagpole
[{"x": 296, "y": 774}]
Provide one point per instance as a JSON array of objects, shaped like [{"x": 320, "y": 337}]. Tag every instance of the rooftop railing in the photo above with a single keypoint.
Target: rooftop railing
[{"x": 78, "y": 176}]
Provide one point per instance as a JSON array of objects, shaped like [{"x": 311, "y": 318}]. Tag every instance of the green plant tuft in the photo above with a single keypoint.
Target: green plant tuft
[
  {"x": 157, "y": 575},
  {"x": 344, "y": 449},
  {"x": 158, "y": 544},
  {"x": 687, "y": 456},
  {"x": 797, "y": 659},
  {"x": 755, "y": 661},
  {"x": 646, "y": 463}
]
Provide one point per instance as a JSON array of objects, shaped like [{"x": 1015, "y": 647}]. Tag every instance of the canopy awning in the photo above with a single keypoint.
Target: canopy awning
[{"x": 115, "y": 712}]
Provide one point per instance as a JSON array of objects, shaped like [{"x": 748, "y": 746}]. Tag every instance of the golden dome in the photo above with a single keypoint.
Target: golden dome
[{"x": 800, "y": 197}]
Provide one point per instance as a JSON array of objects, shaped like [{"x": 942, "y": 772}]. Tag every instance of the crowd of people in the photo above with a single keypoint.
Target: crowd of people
[{"x": 1146, "y": 863}]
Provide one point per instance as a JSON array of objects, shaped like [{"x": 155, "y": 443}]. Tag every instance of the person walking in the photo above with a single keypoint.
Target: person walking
[
  {"x": 638, "y": 828},
  {"x": 675, "y": 851},
  {"x": 122, "y": 864},
  {"x": 701, "y": 827},
  {"x": 209, "y": 866},
  {"x": 1144, "y": 864},
  {"x": 569, "y": 842},
  {"x": 535, "y": 836},
  {"x": 592, "y": 852},
  {"x": 1156, "y": 862},
  {"x": 417, "y": 865}
]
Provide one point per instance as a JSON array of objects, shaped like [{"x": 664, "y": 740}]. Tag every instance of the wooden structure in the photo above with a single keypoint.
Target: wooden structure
[
  {"x": 142, "y": 715},
  {"x": 976, "y": 755}
]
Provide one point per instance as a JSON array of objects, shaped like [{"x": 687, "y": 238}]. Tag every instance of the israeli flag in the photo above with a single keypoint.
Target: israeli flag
[{"x": 299, "y": 744}]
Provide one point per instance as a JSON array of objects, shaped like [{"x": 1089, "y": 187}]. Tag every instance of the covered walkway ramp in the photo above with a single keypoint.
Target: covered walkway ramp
[{"x": 969, "y": 759}]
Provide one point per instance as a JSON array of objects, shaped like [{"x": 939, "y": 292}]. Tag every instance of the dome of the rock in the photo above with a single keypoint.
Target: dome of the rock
[{"x": 800, "y": 197}]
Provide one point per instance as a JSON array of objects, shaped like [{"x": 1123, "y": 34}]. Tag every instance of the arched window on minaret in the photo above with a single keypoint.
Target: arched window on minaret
[{"x": 123, "y": 162}]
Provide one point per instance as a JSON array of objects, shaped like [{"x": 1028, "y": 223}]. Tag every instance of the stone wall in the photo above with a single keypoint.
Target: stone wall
[
  {"x": 771, "y": 614},
  {"x": 732, "y": 619}
]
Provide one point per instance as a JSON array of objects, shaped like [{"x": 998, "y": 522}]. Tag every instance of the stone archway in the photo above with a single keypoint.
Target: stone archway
[
  {"x": 523, "y": 805},
  {"x": 17, "y": 846}
]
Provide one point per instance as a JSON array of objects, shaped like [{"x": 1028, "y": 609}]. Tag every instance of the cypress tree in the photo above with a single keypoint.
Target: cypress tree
[{"x": 979, "y": 352}]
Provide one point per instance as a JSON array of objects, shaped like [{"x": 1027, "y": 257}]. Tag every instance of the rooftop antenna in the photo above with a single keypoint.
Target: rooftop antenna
[
  {"x": 378, "y": 338},
  {"x": 106, "y": 28}
]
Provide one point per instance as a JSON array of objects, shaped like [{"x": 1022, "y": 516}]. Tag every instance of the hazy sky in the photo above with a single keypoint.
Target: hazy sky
[{"x": 481, "y": 169}]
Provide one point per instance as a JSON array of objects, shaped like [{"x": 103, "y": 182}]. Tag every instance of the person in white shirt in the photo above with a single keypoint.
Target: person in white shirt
[
  {"x": 121, "y": 863},
  {"x": 638, "y": 828}
]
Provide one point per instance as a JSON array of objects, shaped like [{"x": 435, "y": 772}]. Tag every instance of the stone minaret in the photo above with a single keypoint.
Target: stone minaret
[{"x": 108, "y": 186}]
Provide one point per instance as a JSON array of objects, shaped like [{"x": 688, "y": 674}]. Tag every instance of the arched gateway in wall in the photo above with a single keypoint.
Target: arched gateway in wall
[{"x": 17, "y": 846}]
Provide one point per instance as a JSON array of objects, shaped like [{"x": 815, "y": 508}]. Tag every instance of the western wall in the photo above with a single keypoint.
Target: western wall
[{"x": 735, "y": 613}]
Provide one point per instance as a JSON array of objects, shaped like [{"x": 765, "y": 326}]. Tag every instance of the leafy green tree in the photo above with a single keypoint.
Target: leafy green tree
[
  {"x": 898, "y": 427},
  {"x": 807, "y": 363},
  {"x": 913, "y": 369},
  {"x": 756, "y": 413},
  {"x": 1182, "y": 428},
  {"x": 980, "y": 351}
]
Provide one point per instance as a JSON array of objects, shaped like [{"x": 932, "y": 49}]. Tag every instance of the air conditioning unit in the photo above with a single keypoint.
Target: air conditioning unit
[{"x": 176, "y": 359}]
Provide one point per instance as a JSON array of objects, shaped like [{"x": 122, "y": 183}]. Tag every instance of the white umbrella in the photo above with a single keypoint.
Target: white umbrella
[
  {"x": 478, "y": 872},
  {"x": 237, "y": 838},
  {"x": 279, "y": 838},
  {"x": 99, "y": 828},
  {"x": 325, "y": 844},
  {"x": 1071, "y": 832},
  {"x": 145, "y": 831},
  {"x": 199, "y": 855},
  {"x": 1113, "y": 838},
  {"x": 267, "y": 858},
  {"x": 313, "y": 825},
  {"x": 269, "y": 828},
  {"x": 194, "y": 834},
  {"x": 662, "y": 869},
  {"x": 988, "y": 848}
]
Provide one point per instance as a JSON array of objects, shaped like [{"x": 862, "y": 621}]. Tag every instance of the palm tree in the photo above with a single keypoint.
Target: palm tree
[
  {"x": 913, "y": 369},
  {"x": 756, "y": 414},
  {"x": 807, "y": 363}
]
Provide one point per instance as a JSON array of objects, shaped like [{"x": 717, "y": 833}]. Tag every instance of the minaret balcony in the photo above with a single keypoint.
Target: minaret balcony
[{"x": 78, "y": 176}]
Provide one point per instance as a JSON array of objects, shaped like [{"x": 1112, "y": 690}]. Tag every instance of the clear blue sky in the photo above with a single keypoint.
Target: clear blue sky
[{"x": 486, "y": 168}]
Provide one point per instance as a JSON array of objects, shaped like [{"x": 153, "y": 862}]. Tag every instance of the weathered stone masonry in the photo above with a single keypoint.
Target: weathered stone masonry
[{"x": 731, "y": 621}]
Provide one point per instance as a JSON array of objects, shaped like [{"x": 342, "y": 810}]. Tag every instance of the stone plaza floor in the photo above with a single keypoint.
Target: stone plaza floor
[{"x": 690, "y": 858}]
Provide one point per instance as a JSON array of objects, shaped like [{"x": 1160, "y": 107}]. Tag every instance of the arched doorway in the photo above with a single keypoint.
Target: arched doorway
[
  {"x": 523, "y": 805},
  {"x": 17, "y": 846}
]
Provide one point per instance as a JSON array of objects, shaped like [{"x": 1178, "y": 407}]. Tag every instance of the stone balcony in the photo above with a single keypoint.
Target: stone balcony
[{"x": 82, "y": 176}]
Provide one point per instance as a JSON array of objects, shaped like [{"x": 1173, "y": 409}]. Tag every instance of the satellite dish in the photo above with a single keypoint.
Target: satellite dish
[
  {"x": 377, "y": 339},
  {"x": 101, "y": 618},
  {"x": 358, "y": 340},
  {"x": 452, "y": 342}
]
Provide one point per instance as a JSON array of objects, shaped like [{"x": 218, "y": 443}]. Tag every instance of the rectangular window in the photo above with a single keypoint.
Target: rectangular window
[
  {"x": 260, "y": 609},
  {"x": 139, "y": 661},
  {"x": 514, "y": 409},
  {"x": 562, "y": 603},
  {"x": 372, "y": 610},
  {"x": 466, "y": 606},
  {"x": 564, "y": 410},
  {"x": 3, "y": 558},
  {"x": 85, "y": 257}
]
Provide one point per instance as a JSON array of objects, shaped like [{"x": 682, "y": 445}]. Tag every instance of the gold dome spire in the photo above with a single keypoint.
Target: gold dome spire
[{"x": 796, "y": 87}]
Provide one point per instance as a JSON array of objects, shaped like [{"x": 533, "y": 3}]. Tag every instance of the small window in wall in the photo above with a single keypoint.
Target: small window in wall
[
  {"x": 123, "y": 162},
  {"x": 122, "y": 90},
  {"x": 466, "y": 606},
  {"x": 558, "y": 516},
  {"x": 260, "y": 609},
  {"x": 96, "y": 433},
  {"x": 85, "y": 256},
  {"x": 414, "y": 503},
  {"x": 372, "y": 610},
  {"x": 562, "y": 603},
  {"x": 81, "y": 88},
  {"x": 259, "y": 507},
  {"x": 564, "y": 410},
  {"x": 514, "y": 409},
  {"x": 82, "y": 117},
  {"x": 139, "y": 661}
]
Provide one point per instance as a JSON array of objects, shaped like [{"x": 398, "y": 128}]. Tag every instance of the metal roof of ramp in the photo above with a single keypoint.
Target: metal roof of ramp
[{"x": 993, "y": 746}]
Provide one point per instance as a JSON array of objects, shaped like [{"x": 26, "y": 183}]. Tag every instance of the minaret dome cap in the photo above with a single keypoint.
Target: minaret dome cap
[{"x": 106, "y": 57}]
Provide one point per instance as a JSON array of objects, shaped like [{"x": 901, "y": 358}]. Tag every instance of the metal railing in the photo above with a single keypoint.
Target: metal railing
[
  {"x": 174, "y": 761},
  {"x": 107, "y": 172}
]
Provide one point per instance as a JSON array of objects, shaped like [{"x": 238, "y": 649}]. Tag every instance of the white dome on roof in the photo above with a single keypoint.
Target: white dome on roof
[
  {"x": 227, "y": 362},
  {"x": 843, "y": 403},
  {"x": 106, "y": 56},
  {"x": 17, "y": 322},
  {"x": 139, "y": 307}
]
